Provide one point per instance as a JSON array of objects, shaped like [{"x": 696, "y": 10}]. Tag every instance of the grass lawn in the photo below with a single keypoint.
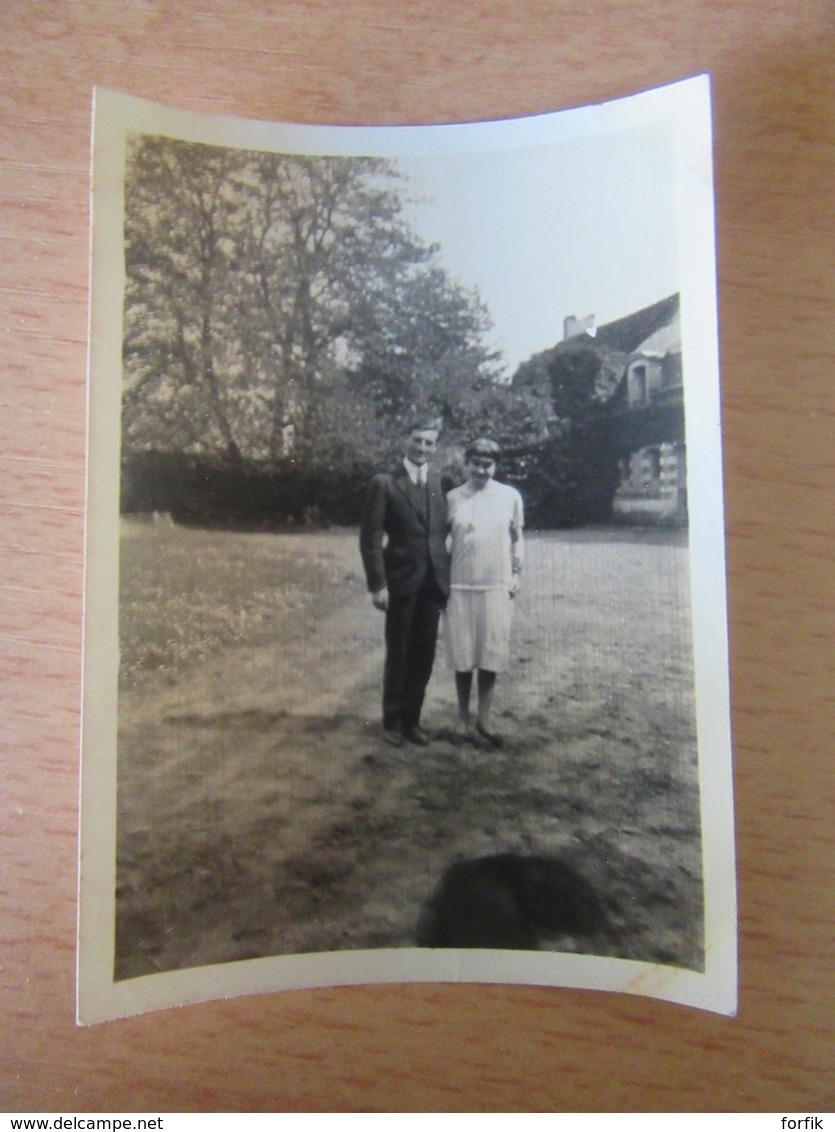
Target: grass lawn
[{"x": 260, "y": 813}]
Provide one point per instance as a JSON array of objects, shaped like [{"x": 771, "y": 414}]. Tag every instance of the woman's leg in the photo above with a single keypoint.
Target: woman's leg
[
  {"x": 486, "y": 686},
  {"x": 463, "y": 688}
]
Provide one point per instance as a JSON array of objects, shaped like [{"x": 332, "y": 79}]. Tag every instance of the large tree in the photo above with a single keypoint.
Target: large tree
[
  {"x": 570, "y": 475},
  {"x": 264, "y": 290},
  {"x": 422, "y": 347},
  {"x": 179, "y": 247}
]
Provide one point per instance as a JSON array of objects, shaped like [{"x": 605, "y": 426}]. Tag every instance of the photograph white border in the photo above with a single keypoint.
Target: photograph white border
[{"x": 685, "y": 106}]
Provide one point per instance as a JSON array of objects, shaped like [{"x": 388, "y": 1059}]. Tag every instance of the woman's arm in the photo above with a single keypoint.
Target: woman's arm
[{"x": 517, "y": 544}]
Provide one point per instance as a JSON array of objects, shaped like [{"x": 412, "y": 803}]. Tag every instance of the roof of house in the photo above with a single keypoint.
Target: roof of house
[
  {"x": 665, "y": 340},
  {"x": 629, "y": 333},
  {"x": 624, "y": 336}
]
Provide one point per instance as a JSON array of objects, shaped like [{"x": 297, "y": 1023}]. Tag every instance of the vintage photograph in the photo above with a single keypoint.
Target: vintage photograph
[{"x": 402, "y": 633}]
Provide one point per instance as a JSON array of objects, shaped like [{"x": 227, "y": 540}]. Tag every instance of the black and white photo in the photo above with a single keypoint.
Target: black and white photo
[{"x": 405, "y": 639}]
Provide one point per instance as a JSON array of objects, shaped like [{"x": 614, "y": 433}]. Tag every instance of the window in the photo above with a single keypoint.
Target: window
[{"x": 638, "y": 385}]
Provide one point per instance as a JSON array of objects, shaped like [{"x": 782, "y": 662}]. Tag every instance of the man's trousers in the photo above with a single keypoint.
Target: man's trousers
[{"x": 411, "y": 635}]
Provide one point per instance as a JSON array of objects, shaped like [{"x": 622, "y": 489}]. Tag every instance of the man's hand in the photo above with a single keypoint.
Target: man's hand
[
  {"x": 514, "y": 585},
  {"x": 380, "y": 599}
]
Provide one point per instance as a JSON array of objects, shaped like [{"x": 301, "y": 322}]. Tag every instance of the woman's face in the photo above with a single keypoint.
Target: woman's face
[{"x": 480, "y": 469}]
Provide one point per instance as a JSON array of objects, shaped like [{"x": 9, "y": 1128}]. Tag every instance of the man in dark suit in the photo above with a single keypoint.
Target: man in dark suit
[{"x": 403, "y": 547}]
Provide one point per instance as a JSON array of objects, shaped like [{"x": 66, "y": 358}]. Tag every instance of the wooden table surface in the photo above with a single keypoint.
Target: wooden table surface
[{"x": 420, "y": 1048}]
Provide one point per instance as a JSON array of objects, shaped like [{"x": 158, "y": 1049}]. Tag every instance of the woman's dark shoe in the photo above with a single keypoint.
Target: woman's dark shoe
[{"x": 489, "y": 737}]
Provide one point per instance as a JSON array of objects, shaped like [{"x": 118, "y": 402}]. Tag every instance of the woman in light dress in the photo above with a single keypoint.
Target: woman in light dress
[{"x": 486, "y": 520}]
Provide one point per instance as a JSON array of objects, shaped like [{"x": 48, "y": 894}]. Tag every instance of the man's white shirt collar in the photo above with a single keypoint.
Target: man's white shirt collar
[{"x": 416, "y": 472}]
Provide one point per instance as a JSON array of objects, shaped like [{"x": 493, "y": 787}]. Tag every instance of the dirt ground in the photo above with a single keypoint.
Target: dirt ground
[{"x": 260, "y": 813}]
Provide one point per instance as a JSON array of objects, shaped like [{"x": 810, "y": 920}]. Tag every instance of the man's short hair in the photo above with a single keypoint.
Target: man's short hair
[
  {"x": 422, "y": 423},
  {"x": 483, "y": 446}
]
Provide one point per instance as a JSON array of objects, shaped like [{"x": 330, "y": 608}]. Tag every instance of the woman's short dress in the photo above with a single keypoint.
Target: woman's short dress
[{"x": 486, "y": 540}]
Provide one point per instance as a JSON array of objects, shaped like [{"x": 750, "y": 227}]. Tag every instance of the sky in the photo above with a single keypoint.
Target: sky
[{"x": 584, "y": 226}]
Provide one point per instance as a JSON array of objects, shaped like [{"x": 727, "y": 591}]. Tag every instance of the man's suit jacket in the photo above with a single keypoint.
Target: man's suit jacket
[{"x": 393, "y": 508}]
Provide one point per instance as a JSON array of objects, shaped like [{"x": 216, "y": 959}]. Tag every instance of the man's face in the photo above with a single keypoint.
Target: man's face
[{"x": 421, "y": 444}]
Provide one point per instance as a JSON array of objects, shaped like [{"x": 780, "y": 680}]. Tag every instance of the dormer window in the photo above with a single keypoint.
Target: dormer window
[{"x": 638, "y": 391}]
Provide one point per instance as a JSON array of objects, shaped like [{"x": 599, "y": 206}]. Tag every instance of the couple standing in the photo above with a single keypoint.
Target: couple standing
[{"x": 425, "y": 553}]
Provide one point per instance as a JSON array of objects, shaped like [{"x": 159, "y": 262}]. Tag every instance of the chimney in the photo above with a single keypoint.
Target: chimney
[{"x": 573, "y": 326}]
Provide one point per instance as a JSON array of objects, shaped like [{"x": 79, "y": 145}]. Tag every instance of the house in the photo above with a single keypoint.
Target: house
[
  {"x": 653, "y": 466},
  {"x": 638, "y": 379},
  {"x": 649, "y": 397}
]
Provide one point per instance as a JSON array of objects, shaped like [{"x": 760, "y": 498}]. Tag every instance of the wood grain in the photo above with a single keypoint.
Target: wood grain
[{"x": 380, "y": 61}]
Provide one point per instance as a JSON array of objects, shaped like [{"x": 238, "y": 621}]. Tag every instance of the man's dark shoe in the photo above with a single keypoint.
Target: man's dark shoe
[
  {"x": 417, "y": 736},
  {"x": 393, "y": 738}
]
